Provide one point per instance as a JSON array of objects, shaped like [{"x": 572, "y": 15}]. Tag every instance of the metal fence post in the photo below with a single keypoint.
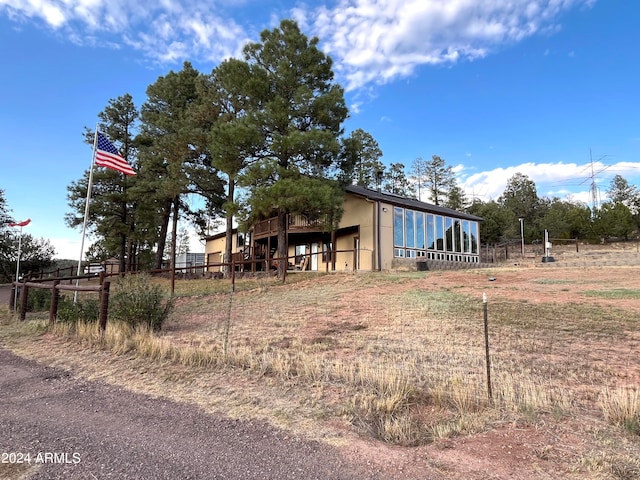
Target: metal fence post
[{"x": 486, "y": 345}]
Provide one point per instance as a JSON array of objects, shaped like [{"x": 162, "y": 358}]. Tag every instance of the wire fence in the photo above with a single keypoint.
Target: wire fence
[{"x": 542, "y": 355}]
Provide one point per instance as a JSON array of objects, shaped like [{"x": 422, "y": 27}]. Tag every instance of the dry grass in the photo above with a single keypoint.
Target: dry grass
[
  {"x": 400, "y": 358},
  {"x": 622, "y": 407}
]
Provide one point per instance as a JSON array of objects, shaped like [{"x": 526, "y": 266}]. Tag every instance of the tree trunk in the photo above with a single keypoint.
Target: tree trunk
[
  {"x": 229, "y": 233},
  {"x": 162, "y": 237},
  {"x": 174, "y": 233},
  {"x": 123, "y": 235},
  {"x": 283, "y": 247}
]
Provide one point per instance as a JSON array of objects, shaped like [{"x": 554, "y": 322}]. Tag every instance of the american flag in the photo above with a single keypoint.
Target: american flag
[{"x": 107, "y": 156}]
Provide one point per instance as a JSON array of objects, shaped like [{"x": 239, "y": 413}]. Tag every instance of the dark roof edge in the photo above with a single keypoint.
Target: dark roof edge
[{"x": 408, "y": 202}]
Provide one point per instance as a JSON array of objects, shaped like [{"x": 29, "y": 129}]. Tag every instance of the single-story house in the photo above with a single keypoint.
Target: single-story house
[{"x": 377, "y": 231}]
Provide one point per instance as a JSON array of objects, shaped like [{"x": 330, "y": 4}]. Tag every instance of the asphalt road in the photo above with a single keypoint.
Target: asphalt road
[{"x": 77, "y": 429}]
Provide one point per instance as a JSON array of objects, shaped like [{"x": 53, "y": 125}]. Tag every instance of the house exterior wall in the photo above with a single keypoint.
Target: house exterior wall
[
  {"x": 360, "y": 212},
  {"x": 214, "y": 250},
  {"x": 409, "y": 232}
]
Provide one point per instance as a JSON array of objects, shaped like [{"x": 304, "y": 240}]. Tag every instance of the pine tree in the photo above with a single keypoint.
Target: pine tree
[{"x": 299, "y": 110}]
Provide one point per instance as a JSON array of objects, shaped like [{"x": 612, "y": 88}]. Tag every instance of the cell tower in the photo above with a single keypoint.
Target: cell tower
[{"x": 594, "y": 192}]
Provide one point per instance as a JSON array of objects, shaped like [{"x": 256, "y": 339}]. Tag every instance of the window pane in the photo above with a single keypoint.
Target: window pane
[
  {"x": 431, "y": 234},
  {"x": 439, "y": 232},
  {"x": 409, "y": 226},
  {"x": 467, "y": 236},
  {"x": 474, "y": 237},
  {"x": 457, "y": 234},
  {"x": 398, "y": 227},
  {"x": 448, "y": 225},
  {"x": 420, "y": 230}
]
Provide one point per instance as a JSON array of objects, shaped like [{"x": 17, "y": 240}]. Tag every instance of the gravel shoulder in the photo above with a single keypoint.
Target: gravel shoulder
[{"x": 76, "y": 429}]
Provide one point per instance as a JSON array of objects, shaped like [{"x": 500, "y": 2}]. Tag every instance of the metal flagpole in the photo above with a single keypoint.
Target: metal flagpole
[
  {"x": 15, "y": 292},
  {"x": 86, "y": 211}
]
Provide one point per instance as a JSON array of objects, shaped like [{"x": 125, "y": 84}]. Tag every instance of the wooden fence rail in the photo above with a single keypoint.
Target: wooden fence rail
[{"x": 56, "y": 287}]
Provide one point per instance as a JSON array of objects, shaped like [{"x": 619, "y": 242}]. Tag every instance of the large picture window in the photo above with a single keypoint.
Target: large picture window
[
  {"x": 439, "y": 233},
  {"x": 457, "y": 234},
  {"x": 414, "y": 233},
  {"x": 410, "y": 229},
  {"x": 431, "y": 232},
  {"x": 450, "y": 243},
  {"x": 420, "y": 231},
  {"x": 474, "y": 237},
  {"x": 398, "y": 227},
  {"x": 466, "y": 228}
]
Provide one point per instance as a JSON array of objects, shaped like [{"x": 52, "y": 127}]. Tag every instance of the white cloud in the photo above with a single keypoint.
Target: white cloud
[
  {"x": 371, "y": 41},
  {"x": 376, "y": 41},
  {"x": 165, "y": 31}
]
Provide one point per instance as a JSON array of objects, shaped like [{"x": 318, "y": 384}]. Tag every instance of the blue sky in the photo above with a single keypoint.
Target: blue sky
[{"x": 494, "y": 87}]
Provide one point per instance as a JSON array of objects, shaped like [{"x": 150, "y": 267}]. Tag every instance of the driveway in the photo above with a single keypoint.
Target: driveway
[{"x": 76, "y": 429}]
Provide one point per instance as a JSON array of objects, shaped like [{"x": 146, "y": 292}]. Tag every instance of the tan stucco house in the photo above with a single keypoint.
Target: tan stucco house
[{"x": 377, "y": 231}]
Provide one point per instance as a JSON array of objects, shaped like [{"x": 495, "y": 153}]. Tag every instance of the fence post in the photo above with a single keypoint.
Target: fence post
[
  {"x": 486, "y": 344},
  {"x": 12, "y": 299},
  {"x": 53, "y": 309},
  {"x": 284, "y": 270},
  {"x": 24, "y": 293},
  {"x": 233, "y": 273},
  {"x": 104, "y": 306}
]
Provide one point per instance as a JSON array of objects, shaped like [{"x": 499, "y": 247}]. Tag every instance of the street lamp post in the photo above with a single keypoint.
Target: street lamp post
[
  {"x": 15, "y": 292},
  {"x": 522, "y": 234}
]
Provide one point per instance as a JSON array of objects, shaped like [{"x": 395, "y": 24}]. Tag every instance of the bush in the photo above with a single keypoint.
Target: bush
[
  {"x": 38, "y": 300},
  {"x": 135, "y": 301},
  {"x": 86, "y": 310}
]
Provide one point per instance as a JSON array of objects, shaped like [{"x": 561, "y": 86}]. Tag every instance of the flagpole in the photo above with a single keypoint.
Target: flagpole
[
  {"x": 86, "y": 212},
  {"x": 15, "y": 291}
]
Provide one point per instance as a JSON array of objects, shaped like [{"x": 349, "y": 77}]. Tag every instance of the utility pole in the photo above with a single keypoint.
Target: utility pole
[{"x": 522, "y": 234}]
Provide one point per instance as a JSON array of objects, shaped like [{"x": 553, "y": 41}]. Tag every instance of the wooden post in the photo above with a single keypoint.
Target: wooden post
[
  {"x": 12, "y": 299},
  {"x": 104, "y": 306},
  {"x": 173, "y": 280},
  {"x": 285, "y": 268},
  {"x": 55, "y": 296},
  {"x": 24, "y": 293}
]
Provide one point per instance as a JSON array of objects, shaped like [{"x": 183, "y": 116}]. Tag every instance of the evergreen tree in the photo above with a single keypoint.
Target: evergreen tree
[
  {"x": 628, "y": 195},
  {"x": 613, "y": 220},
  {"x": 172, "y": 165},
  {"x": 361, "y": 159},
  {"x": 521, "y": 197},
  {"x": 456, "y": 198},
  {"x": 226, "y": 114},
  {"x": 396, "y": 181},
  {"x": 419, "y": 175},
  {"x": 499, "y": 223},
  {"x": 299, "y": 111},
  {"x": 111, "y": 218},
  {"x": 439, "y": 179}
]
